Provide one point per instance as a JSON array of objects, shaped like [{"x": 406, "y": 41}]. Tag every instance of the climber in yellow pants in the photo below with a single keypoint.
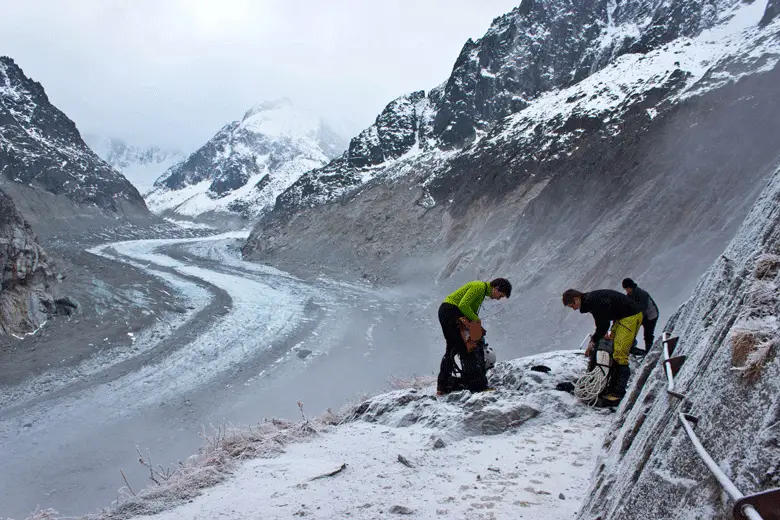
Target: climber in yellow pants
[
  {"x": 608, "y": 306},
  {"x": 623, "y": 334}
]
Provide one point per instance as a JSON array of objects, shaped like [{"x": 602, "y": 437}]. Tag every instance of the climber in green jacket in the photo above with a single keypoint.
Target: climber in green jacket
[{"x": 461, "y": 309}]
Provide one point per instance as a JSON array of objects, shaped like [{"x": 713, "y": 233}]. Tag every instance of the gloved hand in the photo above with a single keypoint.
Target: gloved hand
[
  {"x": 589, "y": 349},
  {"x": 475, "y": 330}
]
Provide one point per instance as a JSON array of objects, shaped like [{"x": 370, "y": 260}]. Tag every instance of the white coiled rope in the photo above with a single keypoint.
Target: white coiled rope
[{"x": 590, "y": 384}]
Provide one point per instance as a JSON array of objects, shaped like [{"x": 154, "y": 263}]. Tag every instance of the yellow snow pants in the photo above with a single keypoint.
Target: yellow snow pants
[{"x": 624, "y": 333}]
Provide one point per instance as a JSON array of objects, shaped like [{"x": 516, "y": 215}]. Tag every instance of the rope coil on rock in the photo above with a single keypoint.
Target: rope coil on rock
[{"x": 591, "y": 384}]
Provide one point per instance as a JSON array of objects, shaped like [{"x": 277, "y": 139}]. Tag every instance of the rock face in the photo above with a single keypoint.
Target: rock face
[
  {"x": 600, "y": 178},
  {"x": 242, "y": 169},
  {"x": 41, "y": 148},
  {"x": 25, "y": 299},
  {"x": 730, "y": 333},
  {"x": 141, "y": 165}
]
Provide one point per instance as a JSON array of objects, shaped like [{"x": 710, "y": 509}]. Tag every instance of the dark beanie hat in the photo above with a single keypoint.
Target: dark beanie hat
[{"x": 629, "y": 283}]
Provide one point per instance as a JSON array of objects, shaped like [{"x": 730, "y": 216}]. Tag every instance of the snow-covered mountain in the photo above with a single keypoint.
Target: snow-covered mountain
[
  {"x": 535, "y": 62},
  {"x": 571, "y": 146},
  {"x": 40, "y": 148},
  {"x": 242, "y": 169},
  {"x": 141, "y": 165}
]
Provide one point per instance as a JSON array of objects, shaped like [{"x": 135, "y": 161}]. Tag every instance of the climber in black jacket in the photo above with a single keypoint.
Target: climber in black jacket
[
  {"x": 649, "y": 309},
  {"x": 608, "y": 306}
]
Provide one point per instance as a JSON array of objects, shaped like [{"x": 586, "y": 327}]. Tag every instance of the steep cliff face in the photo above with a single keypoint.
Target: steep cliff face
[
  {"x": 28, "y": 276},
  {"x": 607, "y": 178},
  {"x": 730, "y": 333},
  {"x": 41, "y": 148}
]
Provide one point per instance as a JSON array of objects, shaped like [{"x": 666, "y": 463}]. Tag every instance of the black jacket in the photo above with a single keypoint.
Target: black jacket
[
  {"x": 646, "y": 303},
  {"x": 607, "y": 305}
]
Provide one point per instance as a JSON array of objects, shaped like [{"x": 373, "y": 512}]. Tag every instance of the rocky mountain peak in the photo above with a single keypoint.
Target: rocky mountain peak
[
  {"x": 268, "y": 106},
  {"x": 241, "y": 170},
  {"x": 772, "y": 12},
  {"x": 41, "y": 147},
  {"x": 538, "y": 48}
]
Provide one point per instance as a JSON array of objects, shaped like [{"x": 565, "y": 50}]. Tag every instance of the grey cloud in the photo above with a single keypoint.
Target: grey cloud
[{"x": 172, "y": 73}]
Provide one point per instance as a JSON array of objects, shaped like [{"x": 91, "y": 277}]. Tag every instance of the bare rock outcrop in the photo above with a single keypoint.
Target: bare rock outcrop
[{"x": 28, "y": 276}]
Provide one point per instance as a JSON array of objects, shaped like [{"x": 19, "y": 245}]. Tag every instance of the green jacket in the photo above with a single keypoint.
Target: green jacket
[{"x": 469, "y": 298}]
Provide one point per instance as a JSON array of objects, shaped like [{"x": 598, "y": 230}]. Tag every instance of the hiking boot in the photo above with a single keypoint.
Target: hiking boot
[{"x": 608, "y": 401}]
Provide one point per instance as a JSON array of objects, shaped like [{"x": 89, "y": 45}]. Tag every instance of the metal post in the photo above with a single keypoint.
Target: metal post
[{"x": 669, "y": 375}]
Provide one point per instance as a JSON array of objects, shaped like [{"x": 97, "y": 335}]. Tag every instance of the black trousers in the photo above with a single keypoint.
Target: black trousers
[
  {"x": 649, "y": 329},
  {"x": 472, "y": 369}
]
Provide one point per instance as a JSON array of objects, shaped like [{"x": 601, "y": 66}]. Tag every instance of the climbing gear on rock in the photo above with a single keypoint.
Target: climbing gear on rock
[
  {"x": 590, "y": 385},
  {"x": 490, "y": 357}
]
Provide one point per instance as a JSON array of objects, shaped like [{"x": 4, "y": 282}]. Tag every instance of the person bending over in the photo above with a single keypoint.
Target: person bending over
[
  {"x": 606, "y": 305},
  {"x": 461, "y": 309}
]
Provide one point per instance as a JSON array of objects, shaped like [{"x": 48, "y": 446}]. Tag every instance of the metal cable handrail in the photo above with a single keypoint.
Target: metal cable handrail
[
  {"x": 747, "y": 510},
  {"x": 744, "y": 507}
]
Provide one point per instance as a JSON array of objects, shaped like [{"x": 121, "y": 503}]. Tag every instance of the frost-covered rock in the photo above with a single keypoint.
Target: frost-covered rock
[
  {"x": 41, "y": 148},
  {"x": 389, "y": 457},
  {"x": 730, "y": 334},
  {"x": 520, "y": 394},
  {"x": 242, "y": 169}
]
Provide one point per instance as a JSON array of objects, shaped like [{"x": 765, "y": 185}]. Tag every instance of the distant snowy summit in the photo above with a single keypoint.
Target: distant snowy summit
[
  {"x": 243, "y": 168},
  {"x": 141, "y": 165}
]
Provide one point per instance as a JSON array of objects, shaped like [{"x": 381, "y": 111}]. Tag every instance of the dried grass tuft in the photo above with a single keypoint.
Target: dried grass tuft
[
  {"x": 757, "y": 359},
  {"x": 46, "y": 514},
  {"x": 762, "y": 299},
  {"x": 767, "y": 266},
  {"x": 397, "y": 382},
  {"x": 751, "y": 346},
  {"x": 219, "y": 454},
  {"x": 743, "y": 343}
]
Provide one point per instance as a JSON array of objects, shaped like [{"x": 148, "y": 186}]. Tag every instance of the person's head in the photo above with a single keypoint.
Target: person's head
[
  {"x": 572, "y": 298},
  {"x": 500, "y": 288},
  {"x": 629, "y": 285}
]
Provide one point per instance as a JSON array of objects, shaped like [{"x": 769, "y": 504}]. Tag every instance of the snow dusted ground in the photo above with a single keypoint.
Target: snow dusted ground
[{"x": 522, "y": 451}]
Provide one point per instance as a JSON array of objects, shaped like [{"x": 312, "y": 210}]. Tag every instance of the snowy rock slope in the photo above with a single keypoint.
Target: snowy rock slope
[
  {"x": 730, "y": 334},
  {"x": 41, "y": 148},
  {"x": 522, "y": 451},
  {"x": 140, "y": 165},
  {"x": 243, "y": 168}
]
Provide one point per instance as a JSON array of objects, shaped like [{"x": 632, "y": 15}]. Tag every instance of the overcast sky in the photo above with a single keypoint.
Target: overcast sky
[{"x": 173, "y": 72}]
